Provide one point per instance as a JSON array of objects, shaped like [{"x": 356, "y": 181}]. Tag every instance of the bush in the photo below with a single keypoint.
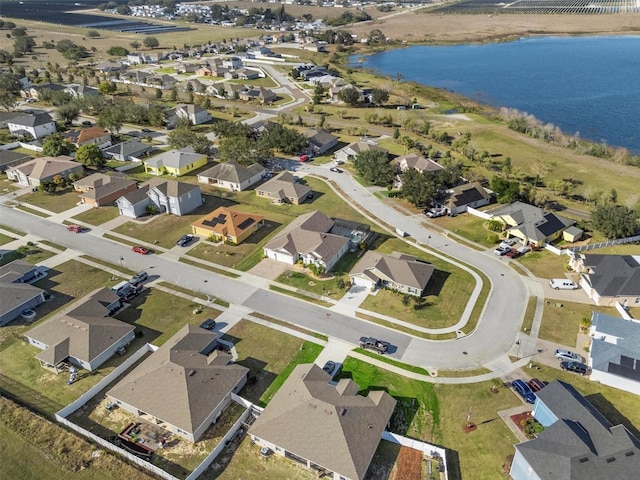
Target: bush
[
  {"x": 493, "y": 238},
  {"x": 495, "y": 225}
]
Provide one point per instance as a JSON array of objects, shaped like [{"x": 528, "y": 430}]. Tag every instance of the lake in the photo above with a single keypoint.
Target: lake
[{"x": 585, "y": 85}]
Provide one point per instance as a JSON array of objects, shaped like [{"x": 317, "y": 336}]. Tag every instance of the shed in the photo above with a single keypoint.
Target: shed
[{"x": 572, "y": 234}]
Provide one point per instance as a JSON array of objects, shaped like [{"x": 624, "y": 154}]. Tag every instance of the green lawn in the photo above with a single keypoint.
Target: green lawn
[
  {"x": 160, "y": 315},
  {"x": 544, "y": 264},
  {"x": 98, "y": 216},
  {"x": 266, "y": 82},
  {"x": 58, "y": 202},
  {"x": 435, "y": 413},
  {"x": 4, "y": 239},
  {"x": 468, "y": 226},
  {"x": 446, "y": 297},
  {"x": 527, "y": 323},
  {"x": 561, "y": 320},
  {"x": 33, "y": 256},
  {"x": 270, "y": 354},
  {"x": 334, "y": 287}
]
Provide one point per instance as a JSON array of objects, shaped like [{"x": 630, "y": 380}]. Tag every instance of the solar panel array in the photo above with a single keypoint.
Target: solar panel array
[{"x": 588, "y": 7}]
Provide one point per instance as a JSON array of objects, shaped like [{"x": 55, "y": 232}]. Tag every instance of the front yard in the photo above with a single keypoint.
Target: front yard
[
  {"x": 98, "y": 216},
  {"x": 57, "y": 202},
  {"x": 468, "y": 226},
  {"x": 270, "y": 354}
]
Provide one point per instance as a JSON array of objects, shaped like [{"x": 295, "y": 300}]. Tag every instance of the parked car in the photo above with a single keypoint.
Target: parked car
[
  {"x": 146, "y": 130},
  {"x": 524, "y": 249},
  {"x": 576, "y": 367},
  {"x": 208, "y": 324},
  {"x": 138, "y": 278},
  {"x": 562, "y": 354},
  {"x": 140, "y": 250},
  {"x": 75, "y": 228},
  {"x": 437, "y": 212},
  {"x": 329, "y": 367},
  {"x": 562, "y": 284},
  {"x": 524, "y": 391},
  {"x": 185, "y": 240},
  {"x": 335, "y": 169},
  {"x": 374, "y": 344},
  {"x": 500, "y": 251},
  {"x": 508, "y": 242},
  {"x": 28, "y": 314},
  {"x": 304, "y": 158},
  {"x": 512, "y": 254},
  {"x": 339, "y": 162},
  {"x": 86, "y": 123},
  {"x": 536, "y": 385}
]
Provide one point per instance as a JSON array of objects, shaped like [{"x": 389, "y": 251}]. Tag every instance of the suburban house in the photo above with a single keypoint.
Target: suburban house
[
  {"x": 162, "y": 196},
  {"x": 175, "y": 162},
  {"x": 37, "y": 126},
  {"x": 184, "y": 385},
  {"x": 34, "y": 91},
  {"x": 471, "y": 195},
  {"x": 86, "y": 336},
  {"x": 80, "y": 91},
  {"x": 261, "y": 94},
  {"x": 89, "y": 136},
  {"x": 614, "y": 355},
  {"x": 530, "y": 224},
  {"x": 320, "y": 141},
  {"x": 308, "y": 239},
  {"x": 127, "y": 150},
  {"x": 11, "y": 159},
  {"x": 417, "y": 162},
  {"x": 352, "y": 150},
  {"x": 608, "y": 279},
  {"x": 6, "y": 117},
  {"x": 577, "y": 443},
  {"x": 34, "y": 172},
  {"x": 228, "y": 225},
  {"x": 194, "y": 113},
  {"x": 283, "y": 188},
  {"x": 99, "y": 189},
  {"x": 16, "y": 292},
  {"x": 232, "y": 176},
  {"x": 399, "y": 272},
  {"x": 324, "y": 426}
]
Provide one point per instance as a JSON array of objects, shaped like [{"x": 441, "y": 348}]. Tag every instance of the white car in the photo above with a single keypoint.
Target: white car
[
  {"x": 566, "y": 355},
  {"x": 500, "y": 251},
  {"x": 509, "y": 242}
]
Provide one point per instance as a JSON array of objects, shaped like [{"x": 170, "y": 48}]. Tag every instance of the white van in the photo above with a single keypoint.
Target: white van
[
  {"x": 562, "y": 284},
  {"x": 122, "y": 289}
]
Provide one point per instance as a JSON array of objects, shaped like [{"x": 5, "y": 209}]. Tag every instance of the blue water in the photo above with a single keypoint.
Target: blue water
[{"x": 585, "y": 85}]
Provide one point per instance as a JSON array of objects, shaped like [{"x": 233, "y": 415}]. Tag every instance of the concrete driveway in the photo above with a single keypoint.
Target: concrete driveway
[{"x": 269, "y": 269}]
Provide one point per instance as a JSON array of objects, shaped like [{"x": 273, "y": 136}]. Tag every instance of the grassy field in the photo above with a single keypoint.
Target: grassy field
[
  {"x": 446, "y": 297},
  {"x": 270, "y": 354},
  {"x": 32, "y": 447},
  {"x": 333, "y": 286},
  {"x": 98, "y": 216},
  {"x": 468, "y": 226},
  {"x": 5, "y": 239},
  {"x": 529, "y": 314},
  {"x": 544, "y": 264},
  {"x": 560, "y": 324},
  {"x": 54, "y": 202},
  {"x": 435, "y": 413}
]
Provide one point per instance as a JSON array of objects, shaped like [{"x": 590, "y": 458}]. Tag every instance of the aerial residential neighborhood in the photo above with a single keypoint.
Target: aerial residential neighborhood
[{"x": 248, "y": 257}]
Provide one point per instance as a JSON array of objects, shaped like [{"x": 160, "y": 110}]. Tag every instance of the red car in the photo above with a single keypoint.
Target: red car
[
  {"x": 140, "y": 250},
  {"x": 513, "y": 254},
  {"x": 536, "y": 385},
  {"x": 304, "y": 158}
]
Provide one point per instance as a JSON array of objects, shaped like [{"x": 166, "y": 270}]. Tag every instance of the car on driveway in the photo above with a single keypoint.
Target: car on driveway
[
  {"x": 536, "y": 385},
  {"x": 208, "y": 324},
  {"x": 576, "y": 367},
  {"x": 146, "y": 130},
  {"x": 138, "y": 278},
  {"x": 524, "y": 390},
  {"x": 185, "y": 240},
  {"x": 508, "y": 242},
  {"x": 562, "y": 354},
  {"x": 329, "y": 367},
  {"x": 500, "y": 251},
  {"x": 335, "y": 169},
  {"x": 140, "y": 250},
  {"x": 87, "y": 123},
  {"x": 339, "y": 162},
  {"x": 512, "y": 254}
]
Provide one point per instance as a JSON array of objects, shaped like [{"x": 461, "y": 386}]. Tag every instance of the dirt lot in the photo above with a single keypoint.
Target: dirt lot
[{"x": 423, "y": 27}]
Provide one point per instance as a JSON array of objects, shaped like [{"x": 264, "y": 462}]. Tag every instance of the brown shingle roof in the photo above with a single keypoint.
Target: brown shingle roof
[
  {"x": 283, "y": 186},
  {"x": 232, "y": 172},
  {"x": 329, "y": 425},
  {"x": 223, "y": 221},
  {"x": 46, "y": 167},
  {"x": 178, "y": 383}
]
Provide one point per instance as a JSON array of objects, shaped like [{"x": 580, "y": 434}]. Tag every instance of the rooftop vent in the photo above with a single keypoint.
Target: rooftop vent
[
  {"x": 611, "y": 459},
  {"x": 583, "y": 459},
  {"x": 629, "y": 454},
  {"x": 192, "y": 373}
]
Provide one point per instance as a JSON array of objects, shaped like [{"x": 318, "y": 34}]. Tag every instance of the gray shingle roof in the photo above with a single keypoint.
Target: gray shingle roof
[
  {"x": 329, "y": 425},
  {"x": 613, "y": 275},
  {"x": 130, "y": 147},
  {"x": 283, "y": 186},
  {"x": 232, "y": 172},
  {"x": 581, "y": 444},
  {"x": 619, "y": 357},
  {"x": 29, "y": 120},
  {"x": 174, "y": 158},
  {"x": 12, "y": 295},
  {"x": 468, "y": 193},
  {"x": 533, "y": 222},
  {"x": 178, "y": 383},
  {"x": 404, "y": 270}
]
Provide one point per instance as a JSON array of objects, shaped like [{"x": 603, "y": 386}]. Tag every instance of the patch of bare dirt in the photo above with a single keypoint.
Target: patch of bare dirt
[{"x": 408, "y": 465}]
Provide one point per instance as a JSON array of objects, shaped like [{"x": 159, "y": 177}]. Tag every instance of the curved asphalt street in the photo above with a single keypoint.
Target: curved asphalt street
[{"x": 494, "y": 336}]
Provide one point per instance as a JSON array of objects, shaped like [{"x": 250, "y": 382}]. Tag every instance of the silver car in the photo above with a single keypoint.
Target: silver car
[{"x": 566, "y": 355}]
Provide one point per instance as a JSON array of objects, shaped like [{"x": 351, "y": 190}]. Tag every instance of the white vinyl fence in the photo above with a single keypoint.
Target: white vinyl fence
[{"x": 427, "y": 449}]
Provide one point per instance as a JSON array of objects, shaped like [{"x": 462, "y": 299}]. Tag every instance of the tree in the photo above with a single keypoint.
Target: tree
[
  {"x": 93, "y": 34},
  {"x": 107, "y": 88},
  {"x": 374, "y": 167},
  {"x": 184, "y": 137},
  {"x": 244, "y": 150},
  {"x": 22, "y": 45},
  {"x": 9, "y": 88},
  {"x": 379, "y": 96},
  {"x": 615, "y": 221},
  {"x": 48, "y": 187},
  {"x": 68, "y": 112},
  {"x": 151, "y": 42},
  {"x": 349, "y": 95},
  {"x": 111, "y": 118},
  {"x": 90, "y": 156},
  {"x": 55, "y": 145},
  {"x": 117, "y": 51},
  {"x": 135, "y": 45},
  {"x": 60, "y": 181}
]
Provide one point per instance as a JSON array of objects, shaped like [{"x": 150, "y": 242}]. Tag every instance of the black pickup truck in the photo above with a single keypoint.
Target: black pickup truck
[{"x": 374, "y": 344}]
